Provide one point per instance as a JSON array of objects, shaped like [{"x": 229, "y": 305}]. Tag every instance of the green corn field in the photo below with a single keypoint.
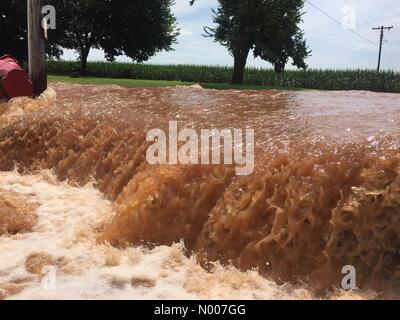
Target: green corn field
[{"x": 385, "y": 81}]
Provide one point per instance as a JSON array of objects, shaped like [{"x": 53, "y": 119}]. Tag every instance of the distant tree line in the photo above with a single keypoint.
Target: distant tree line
[{"x": 141, "y": 28}]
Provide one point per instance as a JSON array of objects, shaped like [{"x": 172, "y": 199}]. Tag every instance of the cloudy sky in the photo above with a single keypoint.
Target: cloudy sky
[{"x": 332, "y": 45}]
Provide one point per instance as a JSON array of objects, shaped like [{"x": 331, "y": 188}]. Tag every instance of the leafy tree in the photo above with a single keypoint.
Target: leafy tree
[
  {"x": 270, "y": 28},
  {"x": 13, "y": 30},
  {"x": 82, "y": 26},
  {"x": 137, "y": 28}
]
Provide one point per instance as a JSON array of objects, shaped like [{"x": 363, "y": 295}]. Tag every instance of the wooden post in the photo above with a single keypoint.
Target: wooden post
[{"x": 36, "y": 47}]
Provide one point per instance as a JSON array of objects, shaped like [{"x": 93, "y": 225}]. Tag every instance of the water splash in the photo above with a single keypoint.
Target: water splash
[{"x": 321, "y": 196}]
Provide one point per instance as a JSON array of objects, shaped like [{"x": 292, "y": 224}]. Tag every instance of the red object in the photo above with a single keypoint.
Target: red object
[{"x": 14, "y": 81}]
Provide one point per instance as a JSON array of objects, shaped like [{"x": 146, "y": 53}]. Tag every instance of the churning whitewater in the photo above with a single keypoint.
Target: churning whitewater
[
  {"x": 60, "y": 259},
  {"x": 84, "y": 215}
]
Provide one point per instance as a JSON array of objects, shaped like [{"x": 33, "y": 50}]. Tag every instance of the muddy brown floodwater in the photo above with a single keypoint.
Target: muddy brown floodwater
[{"x": 325, "y": 192}]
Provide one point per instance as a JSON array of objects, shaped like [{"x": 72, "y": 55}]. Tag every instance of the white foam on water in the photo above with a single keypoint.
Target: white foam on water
[{"x": 68, "y": 218}]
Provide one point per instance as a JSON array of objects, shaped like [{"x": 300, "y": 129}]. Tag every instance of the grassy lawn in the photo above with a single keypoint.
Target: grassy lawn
[
  {"x": 119, "y": 82},
  {"x": 157, "y": 83},
  {"x": 218, "y": 77}
]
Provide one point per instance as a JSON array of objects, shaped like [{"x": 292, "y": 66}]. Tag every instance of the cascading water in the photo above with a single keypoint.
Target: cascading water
[{"x": 324, "y": 194}]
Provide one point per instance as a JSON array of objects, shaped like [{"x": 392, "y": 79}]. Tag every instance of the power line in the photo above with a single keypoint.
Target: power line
[
  {"x": 339, "y": 23},
  {"x": 382, "y": 30},
  {"x": 385, "y": 54}
]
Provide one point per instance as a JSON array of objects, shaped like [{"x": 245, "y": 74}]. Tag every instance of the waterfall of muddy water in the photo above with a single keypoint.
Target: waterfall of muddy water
[{"x": 325, "y": 193}]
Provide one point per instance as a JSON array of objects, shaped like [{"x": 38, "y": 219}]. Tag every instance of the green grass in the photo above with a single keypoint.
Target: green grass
[
  {"x": 157, "y": 83},
  {"x": 218, "y": 76},
  {"x": 119, "y": 82}
]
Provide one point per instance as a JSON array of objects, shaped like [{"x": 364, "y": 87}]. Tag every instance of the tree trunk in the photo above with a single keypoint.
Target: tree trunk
[
  {"x": 84, "y": 58},
  {"x": 240, "y": 56}
]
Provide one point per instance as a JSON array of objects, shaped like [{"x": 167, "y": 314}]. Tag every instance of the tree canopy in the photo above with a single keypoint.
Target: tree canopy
[
  {"x": 138, "y": 29},
  {"x": 270, "y": 28},
  {"x": 13, "y": 30}
]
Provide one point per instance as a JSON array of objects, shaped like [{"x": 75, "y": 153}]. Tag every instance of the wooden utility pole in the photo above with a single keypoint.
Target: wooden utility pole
[
  {"x": 36, "y": 47},
  {"x": 382, "y": 29}
]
